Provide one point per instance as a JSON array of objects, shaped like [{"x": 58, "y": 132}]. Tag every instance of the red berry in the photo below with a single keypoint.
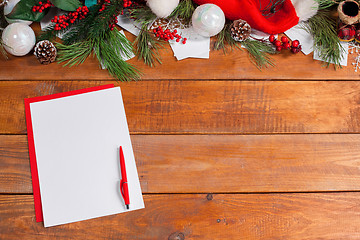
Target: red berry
[
  {"x": 284, "y": 39},
  {"x": 295, "y": 43},
  {"x": 277, "y": 43},
  {"x": 279, "y": 48},
  {"x": 286, "y": 45},
  {"x": 272, "y": 38}
]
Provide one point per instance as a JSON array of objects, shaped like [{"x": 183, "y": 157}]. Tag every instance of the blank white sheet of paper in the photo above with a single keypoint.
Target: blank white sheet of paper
[{"x": 77, "y": 141}]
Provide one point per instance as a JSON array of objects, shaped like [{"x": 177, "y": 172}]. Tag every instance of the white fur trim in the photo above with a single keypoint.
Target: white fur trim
[
  {"x": 162, "y": 8},
  {"x": 305, "y": 9}
]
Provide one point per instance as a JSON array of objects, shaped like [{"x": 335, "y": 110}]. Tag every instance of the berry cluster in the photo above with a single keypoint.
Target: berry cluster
[
  {"x": 103, "y": 6},
  {"x": 112, "y": 22},
  {"x": 42, "y": 6},
  {"x": 63, "y": 21},
  {"x": 127, "y": 3},
  {"x": 168, "y": 35},
  {"x": 285, "y": 44}
]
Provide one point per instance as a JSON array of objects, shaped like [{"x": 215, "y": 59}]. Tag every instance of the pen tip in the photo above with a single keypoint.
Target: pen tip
[{"x": 127, "y": 206}]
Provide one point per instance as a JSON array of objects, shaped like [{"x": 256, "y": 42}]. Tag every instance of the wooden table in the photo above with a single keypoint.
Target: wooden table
[{"x": 224, "y": 151}]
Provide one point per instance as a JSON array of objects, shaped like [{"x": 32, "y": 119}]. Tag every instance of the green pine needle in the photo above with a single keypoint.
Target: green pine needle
[
  {"x": 259, "y": 52},
  {"x": 74, "y": 54},
  {"x": 324, "y": 4},
  {"x": 184, "y": 11},
  {"x": 147, "y": 47},
  {"x": 323, "y": 28},
  {"x": 111, "y": 59},
  {"x": 108, "y": 50},
  {"x": 224, "y": 40},
  {"x": 142, "y": 14}
]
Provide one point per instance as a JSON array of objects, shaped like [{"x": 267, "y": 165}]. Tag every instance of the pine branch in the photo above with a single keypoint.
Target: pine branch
[
  {"x": 74, "y": 54},
  {"x": 323, "y": 28},
  {"x": 224, "y": 40},
  {"x": 49, "y": 33},
  {"x": 80, "y": 30},
  {"x": 108, "y": 49},
  {"x": 259, "y": 52},
  {"x": 147, "y": 47},
  {"x": 99, "y": 26},
  {"x": 142, "y": 14},
  {"x": 111, "y": 59},
  {"x": 184, "y": 11},
  {"x": 324, "y": 4}
]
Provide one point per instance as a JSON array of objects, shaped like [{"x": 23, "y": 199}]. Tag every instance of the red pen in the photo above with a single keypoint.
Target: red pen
[{"x": 124, "y": 189}]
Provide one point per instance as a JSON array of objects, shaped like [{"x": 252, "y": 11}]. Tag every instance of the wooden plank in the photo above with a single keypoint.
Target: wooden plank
[
  {"x": 216, "y": 107},
  {"x": 234, "y": 65},
  {"x": 217, "y": 163},
  {"x": 219, "y": 107},
  {"x": 200, "y": 216}
]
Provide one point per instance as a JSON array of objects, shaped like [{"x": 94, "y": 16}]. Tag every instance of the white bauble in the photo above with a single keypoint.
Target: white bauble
[
  {"x": 9, "y": 6},
  {"x": 162, "y": 8},
  {"x": 208, "y": 20},
  {"x": 18, "y": 39}
]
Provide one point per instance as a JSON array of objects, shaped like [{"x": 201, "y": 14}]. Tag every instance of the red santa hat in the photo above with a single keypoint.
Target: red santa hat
[{"x": 270, "y": 16}]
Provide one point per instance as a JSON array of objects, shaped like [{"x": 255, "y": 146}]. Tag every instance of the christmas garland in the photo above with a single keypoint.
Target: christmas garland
[{"x": 91, "y": 31}]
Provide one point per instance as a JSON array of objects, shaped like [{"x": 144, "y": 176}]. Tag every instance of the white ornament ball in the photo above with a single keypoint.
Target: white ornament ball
[
  {"x": 208, "y": 20},
  {"x": 9, "y": 6},
  {"x": 162, "y": 8},
  {"x": 18, "y": 39}
]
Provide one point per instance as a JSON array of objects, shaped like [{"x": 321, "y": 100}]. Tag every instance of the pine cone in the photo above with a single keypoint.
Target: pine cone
[
  {"x": 240, "y": 30},
  {"x": 167, "y": 24},
  {"x": 45, "y": 52}
]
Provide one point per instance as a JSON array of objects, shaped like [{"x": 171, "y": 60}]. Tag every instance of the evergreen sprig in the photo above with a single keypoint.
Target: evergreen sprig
[
  {"x": 324, "y": 4},
  {"x": 259, "y": 52},
  {"x": 93, "y": 36},
  {"x": 110, "y": 53},
  {"x": 75, "y": 53},
  {"x": 100, "y": 24},
  {"x": 142, "y": 14},
  {"x": 323, "y": 28},
  {"x": 147, "y": 47},
  {"x": 109, "y": 50},
  {"x": 75, "y": 32},
  {"x": 184, "y": 11},
  {"x": 224, "y": 41}
]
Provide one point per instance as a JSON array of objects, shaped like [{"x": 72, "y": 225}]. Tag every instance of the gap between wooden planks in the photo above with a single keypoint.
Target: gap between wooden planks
[
  {"x": 201, "y": 216},
  {"x": 220, "y": 163},
  {"x": 210, "y": 107}
]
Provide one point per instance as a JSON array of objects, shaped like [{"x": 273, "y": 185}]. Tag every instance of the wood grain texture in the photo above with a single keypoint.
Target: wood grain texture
[
  {"x": 234, "y": 65},
  {"x": 221, "y": 164},
  {"x": 216, "y": 107},
  {"x": 200, "y": 216}
]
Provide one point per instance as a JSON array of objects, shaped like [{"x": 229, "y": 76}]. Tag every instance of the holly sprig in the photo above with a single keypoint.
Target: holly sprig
[{"x": 23, "y": 9}]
